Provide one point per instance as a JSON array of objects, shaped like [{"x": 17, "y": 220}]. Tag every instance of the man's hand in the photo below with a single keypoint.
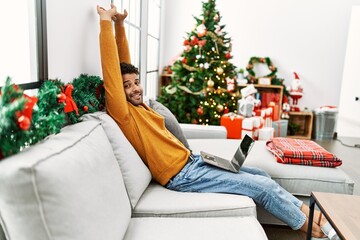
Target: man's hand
[
  {"x": 106, "y": 14},
  {"x": 120, "y": 17}
]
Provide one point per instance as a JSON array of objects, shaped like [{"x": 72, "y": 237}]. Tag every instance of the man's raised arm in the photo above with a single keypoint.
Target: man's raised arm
[
  {"x": 121, "y": 40},
  {"x": 116, "y": 103}
]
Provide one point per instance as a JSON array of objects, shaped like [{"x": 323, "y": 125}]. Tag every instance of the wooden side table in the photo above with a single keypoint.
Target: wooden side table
[
  {"x": 304, "y": 120},
  {"x": 341, "y": 210}
]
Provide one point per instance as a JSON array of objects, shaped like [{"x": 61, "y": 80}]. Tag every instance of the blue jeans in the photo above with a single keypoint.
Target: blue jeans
[{"x": 198, "y": 176}]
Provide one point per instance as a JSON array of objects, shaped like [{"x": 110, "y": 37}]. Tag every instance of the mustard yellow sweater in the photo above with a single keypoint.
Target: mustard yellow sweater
[{"x": 163, "y": 153}]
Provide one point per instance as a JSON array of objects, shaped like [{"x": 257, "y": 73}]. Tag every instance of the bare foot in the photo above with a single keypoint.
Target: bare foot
[
  {"x": 319, "y": 218},
  {"x": 316, "y": 230}
]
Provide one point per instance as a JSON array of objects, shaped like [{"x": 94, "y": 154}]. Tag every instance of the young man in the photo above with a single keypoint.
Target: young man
[{"x": 169, "y": 161}]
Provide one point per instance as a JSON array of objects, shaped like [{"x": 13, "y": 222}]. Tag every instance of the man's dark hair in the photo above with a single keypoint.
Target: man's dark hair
[{"x": 128, "y": 68}]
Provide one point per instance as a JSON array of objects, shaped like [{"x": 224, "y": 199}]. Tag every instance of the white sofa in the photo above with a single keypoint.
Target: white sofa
[
  {"x": 87, "y": 182},
  {"x": 298, "y": 180}
]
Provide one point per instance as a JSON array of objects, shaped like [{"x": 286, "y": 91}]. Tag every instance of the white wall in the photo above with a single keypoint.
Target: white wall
[
  {"x": 307, "y": 36},
  {"x": 73, "y": 38},
  {"x": 349, "y": 114}
]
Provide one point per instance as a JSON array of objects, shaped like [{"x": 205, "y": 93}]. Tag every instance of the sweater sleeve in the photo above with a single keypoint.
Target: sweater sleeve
[
  {"x": 116, "y": 104},
  {"x": 122, "y": 44}
]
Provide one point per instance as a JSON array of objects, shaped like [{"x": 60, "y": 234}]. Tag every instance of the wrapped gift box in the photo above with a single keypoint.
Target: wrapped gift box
[
  {"x": 266, "y": 133},
  {"x": 280, "y": 128},
  {"x": 266, "y": 113},
  {"x": 275, "y": 111},
  {"x": 247, "y": 127},
  {"x": 251, "y": 127},
  {"x": 232, "y": 122}
]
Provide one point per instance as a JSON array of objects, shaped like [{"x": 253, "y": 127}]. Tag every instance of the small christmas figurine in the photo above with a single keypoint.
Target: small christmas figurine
[
  {"x": 296, "y": 92},
  {"x": 285, "y": 109},
  {"x": 248, "y": 101}
]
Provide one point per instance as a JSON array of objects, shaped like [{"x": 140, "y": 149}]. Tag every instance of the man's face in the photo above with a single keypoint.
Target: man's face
[{"x": 133, "y": 89}]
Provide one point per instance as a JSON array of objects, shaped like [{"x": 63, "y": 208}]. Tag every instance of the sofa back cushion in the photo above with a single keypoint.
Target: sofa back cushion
[
  {"x": 135, "y": 173},
  {"x": 171, "y": 123},
  {"x": 67, "y": 187}
]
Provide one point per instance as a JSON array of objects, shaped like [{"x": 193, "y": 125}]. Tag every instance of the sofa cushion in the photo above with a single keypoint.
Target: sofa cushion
[
  {"x": 66, "y": 187},
  {"x": 195, "y": 228},
  {"x": 203, "y": 131},
  {"x": 171, "y": 123},
  {"x": 297, "y": 179},
  {"x": 162, "y": 202},
  {"x": 136, "y": 175}
]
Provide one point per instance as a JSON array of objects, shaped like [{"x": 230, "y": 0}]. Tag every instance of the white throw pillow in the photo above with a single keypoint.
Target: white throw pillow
[
  {"x": 66, "y": 187},
  {"x": 171, "y": 123},
  {"x": 135, "y": 173}
]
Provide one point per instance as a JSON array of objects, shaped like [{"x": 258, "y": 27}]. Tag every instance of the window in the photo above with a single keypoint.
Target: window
[
  {"x": 143, "y": 32},
  {"x": 153, "y": 43},
  {"x": 133, "y": 27},
  {"x": 23, "y": 47}
]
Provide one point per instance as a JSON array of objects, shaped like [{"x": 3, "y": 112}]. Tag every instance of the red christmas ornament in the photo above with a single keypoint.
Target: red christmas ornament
[
  {"x": 61, "y": 97},
  {"x": 184, "y": 60},
  {"x": 186, "y": 42},
  {"x": 200, "y": 111},
  {"x": 194, "y": 41},
  {"x": 86, "y": 108},
  {"x": 23, "y": 122},
  {"x": 202, "y": 43},
  {"x": 228, "y": 56},
  {"x": 16, "y": 87}
]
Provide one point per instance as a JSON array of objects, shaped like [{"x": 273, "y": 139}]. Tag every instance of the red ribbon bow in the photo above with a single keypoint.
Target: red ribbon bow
[
  {"x": 24, "y": 117},
  {"x": 31, "y": 101},
  {"x": 70, "y": 105}
]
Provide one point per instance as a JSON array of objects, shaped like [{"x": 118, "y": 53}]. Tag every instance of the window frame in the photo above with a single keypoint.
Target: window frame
[{"x": 41, "y": 24}]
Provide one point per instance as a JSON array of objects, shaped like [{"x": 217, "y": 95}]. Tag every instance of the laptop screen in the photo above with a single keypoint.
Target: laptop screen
[
  {"x": 246, "y": 145},
  {"x": 243, "y": 150}
]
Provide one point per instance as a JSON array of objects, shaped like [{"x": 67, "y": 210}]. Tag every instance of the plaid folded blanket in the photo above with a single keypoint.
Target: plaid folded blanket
[{"x": 301, "y": 152}]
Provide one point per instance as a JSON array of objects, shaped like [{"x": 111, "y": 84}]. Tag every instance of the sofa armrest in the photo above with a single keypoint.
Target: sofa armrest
[{"x": 194, "y": 131}]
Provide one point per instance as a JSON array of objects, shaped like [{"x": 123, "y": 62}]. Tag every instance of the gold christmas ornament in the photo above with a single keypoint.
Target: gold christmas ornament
[
  {"x": 219, "y": 71},
  {"x": 220, "y": 108},
  {"x": 210, "y": 83}
]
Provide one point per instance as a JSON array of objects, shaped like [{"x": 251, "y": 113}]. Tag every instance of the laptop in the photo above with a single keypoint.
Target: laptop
[{"x": 236, "y": 162}]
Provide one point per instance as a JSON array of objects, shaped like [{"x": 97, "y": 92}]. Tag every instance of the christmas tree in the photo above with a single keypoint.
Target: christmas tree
[{"x": 203, "y": 85}]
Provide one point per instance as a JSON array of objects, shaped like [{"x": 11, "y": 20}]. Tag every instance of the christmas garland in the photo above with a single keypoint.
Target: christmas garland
[
  {"x": 26, "y": 120},
  {"x": 272, "y": 75},
  {"x": 250, "y": 68},
  {"x": 214, "y": 37}
]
